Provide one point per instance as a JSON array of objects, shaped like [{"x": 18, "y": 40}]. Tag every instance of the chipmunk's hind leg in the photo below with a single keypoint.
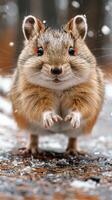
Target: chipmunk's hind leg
[
  {"x": 33, "y": 144},
  {"x": 71, "y": 148}
]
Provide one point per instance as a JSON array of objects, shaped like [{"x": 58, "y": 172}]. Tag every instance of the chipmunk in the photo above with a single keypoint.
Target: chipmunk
[{"x": 57, "y": 86}]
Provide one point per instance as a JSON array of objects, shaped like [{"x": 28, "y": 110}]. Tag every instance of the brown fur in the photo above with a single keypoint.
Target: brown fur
[{"x": 30, "y": 100}]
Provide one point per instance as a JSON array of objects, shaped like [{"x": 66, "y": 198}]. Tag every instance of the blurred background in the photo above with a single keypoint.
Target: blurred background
[
  {"x": 55, "y": 13},
  {"x": 55, "y": 177}
]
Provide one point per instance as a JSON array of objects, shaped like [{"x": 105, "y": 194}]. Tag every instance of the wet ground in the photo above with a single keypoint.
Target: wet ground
[{"x": 55, "y": 176}]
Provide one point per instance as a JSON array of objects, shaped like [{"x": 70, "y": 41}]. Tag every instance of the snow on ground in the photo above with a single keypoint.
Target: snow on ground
[
  {"x": 83, "y": 185},
  {"x": 108, "y": 90},
  {"x": 5, "y": 84},
  {"x": 5, "y": 105}
]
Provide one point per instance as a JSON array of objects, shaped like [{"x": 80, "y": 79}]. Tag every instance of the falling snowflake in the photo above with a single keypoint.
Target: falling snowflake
[
  {"x": 75, "y": 4},
  {"x": 11, "y": 44},
  {"x": 107, "y": 8},
  {"x": 90, "y": 34},
  {"x": 105, "y": 30},
  {"x": 44, "y": 21}
]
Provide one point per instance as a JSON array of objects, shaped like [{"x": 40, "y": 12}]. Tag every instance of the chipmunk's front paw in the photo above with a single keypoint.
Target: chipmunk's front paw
[
  {"x": 49, "y": 118},
  {"x": 74, "y": 118}
]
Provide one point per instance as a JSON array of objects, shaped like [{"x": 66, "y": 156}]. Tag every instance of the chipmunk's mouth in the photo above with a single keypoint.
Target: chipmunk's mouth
[{"x": 56, "y": 80}]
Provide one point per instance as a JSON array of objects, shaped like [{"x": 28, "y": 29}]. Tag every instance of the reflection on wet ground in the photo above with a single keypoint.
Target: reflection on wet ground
[{"x": 55, "y": 176}]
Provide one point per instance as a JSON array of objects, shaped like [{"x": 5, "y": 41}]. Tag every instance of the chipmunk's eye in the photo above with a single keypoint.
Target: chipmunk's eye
[
  {"x": 39, "y": 51},
  {"x": 72, "y": 51}
]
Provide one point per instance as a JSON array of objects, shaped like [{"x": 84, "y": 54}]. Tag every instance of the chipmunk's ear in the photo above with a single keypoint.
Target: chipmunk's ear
[
  {"x": 32, "y": 26},
  {"x": 77, "y": 26}
]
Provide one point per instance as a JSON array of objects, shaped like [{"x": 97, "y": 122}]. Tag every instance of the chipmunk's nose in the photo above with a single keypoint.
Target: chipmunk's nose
[{"x": 56, "y": 71}]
